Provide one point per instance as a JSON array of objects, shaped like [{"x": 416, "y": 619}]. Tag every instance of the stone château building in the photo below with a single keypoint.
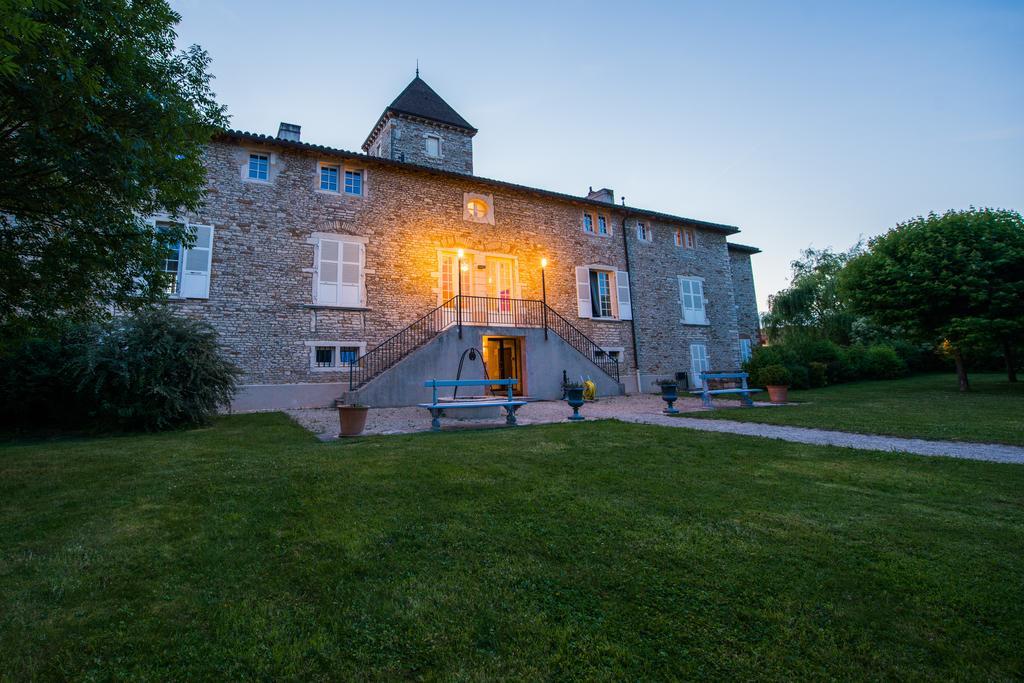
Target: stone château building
[{"x": 333, "y": 274}]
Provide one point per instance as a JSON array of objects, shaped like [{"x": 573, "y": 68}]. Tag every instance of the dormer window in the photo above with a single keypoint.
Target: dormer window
[{"x": 433, "y": 146}]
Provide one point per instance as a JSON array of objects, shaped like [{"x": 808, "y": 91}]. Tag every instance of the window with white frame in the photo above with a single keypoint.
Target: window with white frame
[
  {"x": 603, "y": 293},
  {"x": 326, "y": 356},
  {"x": 354, "y": 182},
  {"x": 187, "y": 270},
  {"x": 745, "y": 351},
  {"x": 699, "y": 363},
  {"x": 602, "y": 225},
  {"x": 329, "y": 177},
  {"x": 685, "y": 238},
  {"x": 433, "y": 146},
  {"x": 691, "y": 296},
  {"x": 643, "y": 232},
  {"x": 259, "y": 166},
  {"x": 338, "y": 272},
  {"x": 588, "y": 223}
]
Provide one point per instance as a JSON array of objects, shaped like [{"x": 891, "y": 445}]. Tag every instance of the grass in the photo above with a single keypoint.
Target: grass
[
  {"x": 923, "y": 406},
  {"x": 599, "y": 550}
]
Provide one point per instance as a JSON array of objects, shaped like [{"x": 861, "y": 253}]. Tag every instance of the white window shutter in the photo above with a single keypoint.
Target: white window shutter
[
  {"x": 328, "y": 271},
  {"x": 699, "y": 363},
  {"x": 625, "y": 302},
  {"x": 583, "y": 292},
  {"x": 698, "y": 298},
  {"x": 351, "y": 293},
  {"x": 195, "y": 272}
]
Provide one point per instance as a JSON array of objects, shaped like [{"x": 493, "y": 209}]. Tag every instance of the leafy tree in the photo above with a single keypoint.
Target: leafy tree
[
  {"x": 102, "y": 122},
  {"x": 955, "y": 280},
  {"x": 811, "y": 305}
]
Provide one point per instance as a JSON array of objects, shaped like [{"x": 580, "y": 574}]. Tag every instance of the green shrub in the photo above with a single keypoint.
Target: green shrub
[
  {"x": 151, "y": 371},
  {"x": 851, "y": 364},
  {"x": 882, "y": 362},
  {"x": 773, "y": 375},
  {"x": 817, "y": 374}
]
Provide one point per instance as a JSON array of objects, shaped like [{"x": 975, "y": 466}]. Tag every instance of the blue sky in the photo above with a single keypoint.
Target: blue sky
[{"x": 802, "y": 123}]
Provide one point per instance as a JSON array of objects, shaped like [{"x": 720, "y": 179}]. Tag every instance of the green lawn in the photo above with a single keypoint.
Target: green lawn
[
  {"x": 924, "y": 407},
  {"x": 593, "y": 550}
]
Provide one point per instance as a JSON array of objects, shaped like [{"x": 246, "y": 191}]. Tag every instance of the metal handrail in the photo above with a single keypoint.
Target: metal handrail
[{"x": 475, "y": 310}]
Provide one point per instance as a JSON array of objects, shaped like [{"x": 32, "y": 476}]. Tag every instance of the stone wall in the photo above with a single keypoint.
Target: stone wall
[
  {"x": 746, "y": 299},
  {"x": 261, "y": 285},
  {"x": 662, "y": 336},
  {"x": 404, "y": 139}
]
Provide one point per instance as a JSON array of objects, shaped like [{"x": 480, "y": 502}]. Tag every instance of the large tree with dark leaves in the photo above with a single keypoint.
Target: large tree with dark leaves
[
  {"x": 955, "y": 280},
  {"x": 102, "y": 123}
]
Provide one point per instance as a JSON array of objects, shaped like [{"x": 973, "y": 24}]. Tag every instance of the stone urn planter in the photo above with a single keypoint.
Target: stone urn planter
[
  {"x": 574, "y": 397},
  {"x": 669, "y": 394},
  {"x": 352, "y": 418},
  {"x": 778, "y": 393}
]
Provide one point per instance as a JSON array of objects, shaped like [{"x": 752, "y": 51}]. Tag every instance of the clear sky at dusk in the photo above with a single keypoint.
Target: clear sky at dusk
[{"x": 801, "y": 123}]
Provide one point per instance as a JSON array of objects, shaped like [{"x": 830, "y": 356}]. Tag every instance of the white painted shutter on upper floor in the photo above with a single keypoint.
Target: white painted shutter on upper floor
[
  {"x": 625, "y": 301},
  {"x": 583, "y": 292},
  {"x": 195, "y": 271}
]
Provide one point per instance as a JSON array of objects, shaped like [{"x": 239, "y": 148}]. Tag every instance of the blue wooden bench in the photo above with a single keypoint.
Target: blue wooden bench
[
  {"x": 436, "y": 407},
  {"x": 706, "y": 393}
]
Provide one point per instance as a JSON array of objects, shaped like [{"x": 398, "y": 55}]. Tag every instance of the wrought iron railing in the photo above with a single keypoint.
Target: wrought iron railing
[{"x": 476, "y": 310}]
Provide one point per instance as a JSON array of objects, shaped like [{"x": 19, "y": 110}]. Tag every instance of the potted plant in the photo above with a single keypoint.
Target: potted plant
[
  {"x": 776, "y": 379},
  {"x": 669, "y": 394},
  {"x": 353, "y": 418},
  {"x": 574, "y": 397}
]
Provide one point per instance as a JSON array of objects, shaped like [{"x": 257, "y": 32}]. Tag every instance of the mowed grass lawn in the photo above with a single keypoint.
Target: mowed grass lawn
[
  {"x": 923, "y": 407},
  {"x": 594, "y": 550}
]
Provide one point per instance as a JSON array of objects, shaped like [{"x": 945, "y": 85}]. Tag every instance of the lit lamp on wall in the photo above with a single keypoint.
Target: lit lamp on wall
[{"x": 544, "y": 294}]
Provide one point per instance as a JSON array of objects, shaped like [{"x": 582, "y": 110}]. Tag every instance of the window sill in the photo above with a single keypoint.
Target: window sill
[
  {"x": 597, "y": 234},
  {"x": 688, "y": 324},
  {"x": 606, "y": 320},
  {"x": 341, "y": 371},
  {"x": 175, "y": 297},
  {"x": 328, "y": 307},
  {"x": 256, "y": 181}
]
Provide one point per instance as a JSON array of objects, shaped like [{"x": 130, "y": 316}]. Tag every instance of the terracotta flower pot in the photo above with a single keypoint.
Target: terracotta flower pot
[
  {"x": 353, "y": 419},
  {"x": 778, "y": 393}
]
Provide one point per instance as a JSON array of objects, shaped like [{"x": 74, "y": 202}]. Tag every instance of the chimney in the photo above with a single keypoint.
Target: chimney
[
  {"x": 602, "y": 195},
  {"x": 288, "y": 131}
]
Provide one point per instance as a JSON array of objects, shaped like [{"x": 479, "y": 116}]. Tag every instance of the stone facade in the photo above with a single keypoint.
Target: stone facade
[
  {"x": 263, "y": 278},
  {"x": 405, "y": 139}
]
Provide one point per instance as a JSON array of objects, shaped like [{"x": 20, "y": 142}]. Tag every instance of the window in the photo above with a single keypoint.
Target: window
[
  {"x": 324, "y": 356},
  {"x": 686, "y": 238},
  {"x": 478, "y": 208},
  {"x": 643, "y": 232},
  {"x": 259, "y": 167},
  {"x": 331, "y": 355},
  {"x": 699, "y": 363},
  {"x": 339, "y": 273},
  {"x": 600, "y": 294},
  {"x": 691, "y": 294},
  {"x": 354, "y": 182},
  {"x": 744, "y": 350},
  {"x": 433, "y": 146},
  {"x": 188, "y": 270},
  {"x": 602, "y": 225},
  {"x": 172, "y": 266},
  {"x": 603, "y": 293},
  {"x": 588, "y": 223},
  {"x": 614, "y": 354},
  {"x": 329, "y": 177}
]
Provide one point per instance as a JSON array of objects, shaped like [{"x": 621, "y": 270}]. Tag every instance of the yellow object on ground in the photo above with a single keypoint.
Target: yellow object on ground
[{"x": 589, "y": 390}]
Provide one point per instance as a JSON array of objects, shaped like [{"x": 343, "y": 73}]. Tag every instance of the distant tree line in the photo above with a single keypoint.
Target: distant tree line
[{"x": 935, "y": 289}]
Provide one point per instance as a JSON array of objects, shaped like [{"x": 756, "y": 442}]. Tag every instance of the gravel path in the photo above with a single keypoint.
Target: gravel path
[{"x": 646, "y": 409}]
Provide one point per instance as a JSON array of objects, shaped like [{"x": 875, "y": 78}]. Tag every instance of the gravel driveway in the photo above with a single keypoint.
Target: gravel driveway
[{"x": 647, "y": 409}]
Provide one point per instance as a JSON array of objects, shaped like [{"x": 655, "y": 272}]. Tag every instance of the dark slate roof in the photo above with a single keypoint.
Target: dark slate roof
[
  {"x": 745, "y": 248},
  {"x": 419, "y": 99},
  {"x": 246, "y": 136}
]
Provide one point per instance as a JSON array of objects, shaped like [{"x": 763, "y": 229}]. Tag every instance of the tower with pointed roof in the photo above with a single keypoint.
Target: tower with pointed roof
[{"x": 421, "y": 128}]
